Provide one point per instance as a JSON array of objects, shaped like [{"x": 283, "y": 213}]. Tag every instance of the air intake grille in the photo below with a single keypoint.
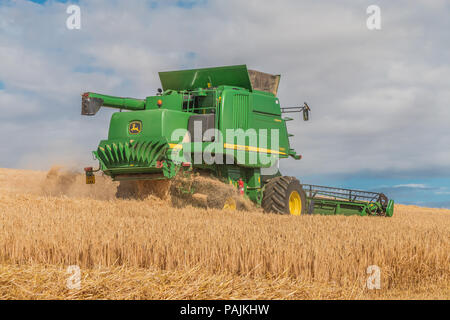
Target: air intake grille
[{"x": 240, "y": 111}]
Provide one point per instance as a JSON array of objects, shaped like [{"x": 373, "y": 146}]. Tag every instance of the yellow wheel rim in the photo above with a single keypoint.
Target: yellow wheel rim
[
  {"x": 295, "y": 204},
  {"x": 230, "y": 204}
]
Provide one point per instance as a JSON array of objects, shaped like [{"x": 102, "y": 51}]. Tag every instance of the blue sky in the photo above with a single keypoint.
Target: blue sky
[
  {"x": 379, "y": 98},
  {"x": 426, "y": 192},
  {"x": 62, "y": 1},
  {"x": 188, "y": 4}
]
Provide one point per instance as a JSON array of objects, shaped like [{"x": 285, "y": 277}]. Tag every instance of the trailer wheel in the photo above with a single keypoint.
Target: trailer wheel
[{"x": 284, "y": 195}]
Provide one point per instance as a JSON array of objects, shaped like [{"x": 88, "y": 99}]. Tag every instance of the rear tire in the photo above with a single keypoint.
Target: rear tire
[{"x": 284, "y": 195}]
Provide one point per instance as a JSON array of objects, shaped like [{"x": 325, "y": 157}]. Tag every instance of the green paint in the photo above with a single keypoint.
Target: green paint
[
  {"x": 119, "y": 102},
  {"x": 202, "y": 78},
  {"x": 141, "y": 144}
]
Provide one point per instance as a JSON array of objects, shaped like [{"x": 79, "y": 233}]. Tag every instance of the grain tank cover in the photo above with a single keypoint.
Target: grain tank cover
[{"x": 238, "y": 76}]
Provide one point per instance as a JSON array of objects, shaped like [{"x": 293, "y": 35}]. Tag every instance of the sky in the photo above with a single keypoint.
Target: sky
[{"x": 380, "y": 98}]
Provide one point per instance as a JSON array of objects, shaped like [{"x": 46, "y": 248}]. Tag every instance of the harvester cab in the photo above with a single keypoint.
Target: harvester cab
[{"x": 225, "y": 120}]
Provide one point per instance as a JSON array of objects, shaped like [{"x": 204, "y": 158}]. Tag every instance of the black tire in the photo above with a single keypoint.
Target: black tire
[{"x": 277, "y": 192}]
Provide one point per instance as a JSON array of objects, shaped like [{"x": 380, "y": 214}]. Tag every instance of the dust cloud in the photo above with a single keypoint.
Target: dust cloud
[{"x": 186, "y": 190}]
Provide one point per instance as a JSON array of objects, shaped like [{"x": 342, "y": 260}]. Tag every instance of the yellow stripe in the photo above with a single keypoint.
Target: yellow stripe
[
  {"x": 175, "y": 146},
  {"x": 236, "y": 147},
  {"x": 250, "y": 148}
]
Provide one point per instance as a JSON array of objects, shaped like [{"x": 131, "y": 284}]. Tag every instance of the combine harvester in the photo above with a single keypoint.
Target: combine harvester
[{"x": 226, "y": 121}]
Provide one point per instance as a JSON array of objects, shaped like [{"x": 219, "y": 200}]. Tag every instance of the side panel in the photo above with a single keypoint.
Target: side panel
[
  {"x": 254, "y": 135},
  {"x": 265, "y": 114},
  {"x": 173, "y": 101},
  {"x": 155, "y": 124},
  {"x": 266, "y": 103}
]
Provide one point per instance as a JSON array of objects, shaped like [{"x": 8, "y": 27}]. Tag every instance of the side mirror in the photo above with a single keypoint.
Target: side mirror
[
  {"x": 305, "y": 114},
  {"x": 306, "y": 110}
]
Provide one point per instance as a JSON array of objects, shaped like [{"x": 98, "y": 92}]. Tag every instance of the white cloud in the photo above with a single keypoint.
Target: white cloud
[
  {"x": 14, "y": 105},
  {"x": 411, "y": 185},
  {"x": 379, "y": 98}
]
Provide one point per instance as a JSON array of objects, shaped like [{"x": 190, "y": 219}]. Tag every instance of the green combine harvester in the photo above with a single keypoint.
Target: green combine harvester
[{"x": 226, "y": 121}]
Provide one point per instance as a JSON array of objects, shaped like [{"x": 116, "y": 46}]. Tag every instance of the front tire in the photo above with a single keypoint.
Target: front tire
[{"x": 284, "y": 195}]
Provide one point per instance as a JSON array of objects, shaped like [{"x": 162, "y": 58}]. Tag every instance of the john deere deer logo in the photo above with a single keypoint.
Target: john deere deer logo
[{"x": 135, "y": 127}]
